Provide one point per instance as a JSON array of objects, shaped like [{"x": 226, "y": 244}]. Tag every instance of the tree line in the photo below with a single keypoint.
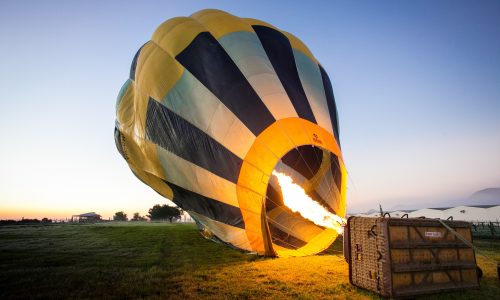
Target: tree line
[{"x": 156, "y": 213}]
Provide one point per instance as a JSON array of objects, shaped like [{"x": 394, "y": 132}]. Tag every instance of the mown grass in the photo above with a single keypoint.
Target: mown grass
[{"x": 159, "y": 261}]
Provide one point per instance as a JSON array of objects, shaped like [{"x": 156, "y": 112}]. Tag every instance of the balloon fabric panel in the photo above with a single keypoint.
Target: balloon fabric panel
[{"x": 213, "y": 107}]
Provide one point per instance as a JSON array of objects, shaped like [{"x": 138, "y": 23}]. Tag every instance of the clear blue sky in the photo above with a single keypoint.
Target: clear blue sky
[{"x": 417, "y": 87}]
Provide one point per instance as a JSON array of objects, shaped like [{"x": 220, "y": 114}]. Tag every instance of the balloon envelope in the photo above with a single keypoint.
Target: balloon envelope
[{"x": 213, "y": 105}]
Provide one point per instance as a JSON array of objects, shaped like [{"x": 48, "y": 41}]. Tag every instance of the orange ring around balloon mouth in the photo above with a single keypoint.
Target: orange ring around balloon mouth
[{"x": 266, "y": 151}]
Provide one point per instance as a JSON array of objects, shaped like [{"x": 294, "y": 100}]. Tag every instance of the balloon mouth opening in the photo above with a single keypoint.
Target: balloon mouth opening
[{"x": 302, "y": 199}]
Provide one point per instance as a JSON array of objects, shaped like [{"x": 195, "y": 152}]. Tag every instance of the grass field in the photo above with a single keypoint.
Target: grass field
[{"x": 158, "y": 261}]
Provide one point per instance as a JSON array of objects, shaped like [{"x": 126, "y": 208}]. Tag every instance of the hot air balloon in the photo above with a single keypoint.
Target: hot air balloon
[{"x": 235, "y": 121}]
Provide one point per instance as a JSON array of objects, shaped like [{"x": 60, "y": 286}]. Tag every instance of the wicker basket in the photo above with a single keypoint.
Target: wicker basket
[{"x": 406, "y": 257}]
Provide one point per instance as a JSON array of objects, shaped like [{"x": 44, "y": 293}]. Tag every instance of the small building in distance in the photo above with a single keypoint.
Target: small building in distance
[{"x": 90, "y": 217}]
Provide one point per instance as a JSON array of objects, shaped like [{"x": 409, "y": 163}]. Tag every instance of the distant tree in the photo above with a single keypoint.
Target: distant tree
[
  {"x": 8, "y": 222},
  {"x": 120, "y": 216},
  {"x": 492, "y": 228},
  {"x": 138, "y": 217},
  {"x": 29, "y": 221},
  {"x": 46, "y": 220},
  {"x": 164, "y": 212}
]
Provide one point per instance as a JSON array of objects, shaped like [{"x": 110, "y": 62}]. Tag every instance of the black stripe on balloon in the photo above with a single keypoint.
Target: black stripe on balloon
[
  {"x": 304, "y": 159},
  {"x": 274, "y": 198},
  {"x": 118, "y": 143},
  {"x": 330, "y": 101},
  {"x": 134, "y": 63},
  {"x": 283, "y": 239},
  {"x": 280, "y": 53},
  {"x": 207, "y": 60},
  {"x": 173, "y": 133},
  {"x": 316, "y": 197},
  {"x": 336, "y": 172},
  {"x": 208, "y": 207}
]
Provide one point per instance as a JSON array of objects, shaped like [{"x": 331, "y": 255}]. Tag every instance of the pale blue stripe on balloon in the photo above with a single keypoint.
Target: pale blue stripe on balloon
[
  {"x": 122, "y": 92},
  {"x": 247, "y": 53},
  {"x": 195, "y": 103},
  {"x": 310, "y": 77}
]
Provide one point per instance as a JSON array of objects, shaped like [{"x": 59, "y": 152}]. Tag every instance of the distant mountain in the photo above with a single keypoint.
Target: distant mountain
[
  {"x": 490, "y": 196},
  {"x": 413, "y": 206}
]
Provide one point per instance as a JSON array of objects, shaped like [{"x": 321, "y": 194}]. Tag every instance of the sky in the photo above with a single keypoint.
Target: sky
[{"x": 417, "y": 86}]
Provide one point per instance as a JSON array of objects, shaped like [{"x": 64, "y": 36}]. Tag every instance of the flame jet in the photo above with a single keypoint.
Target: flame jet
[
  {"x": 213, "y": 105},
  {"x": 295, "y": 198}
]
